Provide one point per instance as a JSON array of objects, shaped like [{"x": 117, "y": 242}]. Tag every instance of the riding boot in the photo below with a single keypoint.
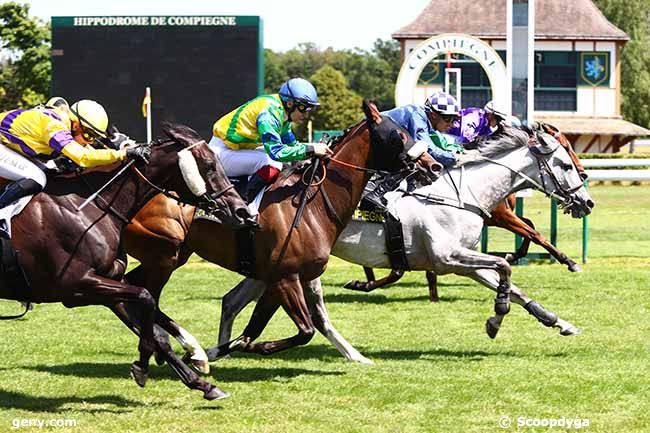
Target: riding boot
[
  {"x": 17, "y": 190},
  {"x": 255, "y": 185},
  {"x": 376, "y": 197}
]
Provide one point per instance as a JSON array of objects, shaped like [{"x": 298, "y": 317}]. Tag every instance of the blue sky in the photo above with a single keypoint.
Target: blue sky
[{"x": 336, "y": 23}]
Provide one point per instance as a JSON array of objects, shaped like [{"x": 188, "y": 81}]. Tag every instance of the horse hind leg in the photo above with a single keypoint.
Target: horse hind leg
[
  {"x": 534, "y": 308},
  {"x": 97, "y": 290}
]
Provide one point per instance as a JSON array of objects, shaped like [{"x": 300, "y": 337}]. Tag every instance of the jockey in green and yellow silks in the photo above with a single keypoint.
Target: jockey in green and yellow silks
[{"x": 256, "y": 138}]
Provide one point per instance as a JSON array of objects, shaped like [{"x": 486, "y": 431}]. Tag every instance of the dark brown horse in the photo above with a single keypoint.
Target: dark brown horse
[
  {"x": 285, "y": 257},
  {"x": 502, "y": 216},
  {"x": 75, "y": 256}
]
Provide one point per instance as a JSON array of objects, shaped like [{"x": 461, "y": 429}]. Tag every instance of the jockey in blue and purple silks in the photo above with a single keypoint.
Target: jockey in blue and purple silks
[
  {"x": 475, "y": 122},
  {"x": 426, "y": 125}
]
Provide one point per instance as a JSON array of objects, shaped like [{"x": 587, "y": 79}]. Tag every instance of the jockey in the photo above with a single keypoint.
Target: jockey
[
  {"x": 477, "y": 122},
  {"x": 256, "y": 138},
  {"x": 426, "y": 125},
  {"x": 45, "y": 132}
]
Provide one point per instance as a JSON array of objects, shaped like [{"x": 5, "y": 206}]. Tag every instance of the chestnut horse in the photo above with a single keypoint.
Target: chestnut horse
[
  {"x": 163, "y": 235},
  {"x": 74, "y": 256},
  {"x": 502, "y": 216}
]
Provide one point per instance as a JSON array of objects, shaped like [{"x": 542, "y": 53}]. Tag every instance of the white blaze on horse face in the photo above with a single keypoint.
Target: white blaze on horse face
[{"x": 190, "y": 172}]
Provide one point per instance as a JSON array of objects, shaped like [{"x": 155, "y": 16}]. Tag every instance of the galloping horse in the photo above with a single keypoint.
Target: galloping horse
[
  {"x": 286, "y": 254},
  {"x": 440, "y": 231},
  {"x": 74, "y": 256},
  {"x": 503, "y": 216}
]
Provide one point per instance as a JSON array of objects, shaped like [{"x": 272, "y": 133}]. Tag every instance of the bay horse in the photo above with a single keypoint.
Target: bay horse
[
  {"x": 503, "y": 216},
  {"x": 73, "y": 255},
  {"x": 286, "y": 255},
  {"x": 440, "y": 233}
]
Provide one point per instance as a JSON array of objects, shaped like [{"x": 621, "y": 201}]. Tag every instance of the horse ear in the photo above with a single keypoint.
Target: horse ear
[{"x": 371, "y": 111}]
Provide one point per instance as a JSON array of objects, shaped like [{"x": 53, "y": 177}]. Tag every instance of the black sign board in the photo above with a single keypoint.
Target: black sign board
[{"x": 198, "y": 67}]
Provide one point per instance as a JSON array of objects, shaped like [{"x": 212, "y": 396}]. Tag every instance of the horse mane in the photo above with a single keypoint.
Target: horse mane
[
  {"x": 179, "y": 133},
  {"x": 506, "y": 139}
]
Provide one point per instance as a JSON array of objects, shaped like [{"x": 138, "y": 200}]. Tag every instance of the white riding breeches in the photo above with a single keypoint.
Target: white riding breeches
[
  {"x": 241, "y": 162},
  {"x": 14, "y": 166}
]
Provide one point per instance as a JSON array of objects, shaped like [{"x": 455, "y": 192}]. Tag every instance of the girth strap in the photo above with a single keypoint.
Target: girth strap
[{"x": 394, "y": 236}]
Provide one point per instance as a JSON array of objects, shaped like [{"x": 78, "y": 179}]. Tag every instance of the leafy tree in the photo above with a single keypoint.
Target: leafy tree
[
  {"x": 25, "y": 72},
  {"x": 371, "y": 74},
  {"x": 341, "y": 106},
  {"x": 633, "y": 17}
]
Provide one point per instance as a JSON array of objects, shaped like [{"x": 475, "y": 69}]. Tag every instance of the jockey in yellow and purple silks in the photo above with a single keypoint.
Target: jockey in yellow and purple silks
[
  {"x": 256, "y": 138},
  {"x": 43, "y": 133}
]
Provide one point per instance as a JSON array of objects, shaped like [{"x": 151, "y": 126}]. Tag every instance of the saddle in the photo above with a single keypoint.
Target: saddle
[{"x": 393, "y": 233}]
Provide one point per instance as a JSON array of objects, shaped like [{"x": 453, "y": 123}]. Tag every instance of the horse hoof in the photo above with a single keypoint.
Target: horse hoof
[
  {"x": 574, "y": 267},
  {"x": 215, "y": 394},
  {"x": 353, "y": 285},
  {"x": 571, "y": 330},
  {"x": 510, "y": 258},
  {"x": 491, "y": 329},
  {"x": 364, "y": 360},
  {"x": 199, "y": 365},
  {"x": 139, "y": 374}
]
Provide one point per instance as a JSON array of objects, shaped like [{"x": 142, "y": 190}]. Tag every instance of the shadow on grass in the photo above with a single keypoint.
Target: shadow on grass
[
  {"x": 376, "y": 298},
  {"x": 221, "y": 372},
  {"x": 36, "y": 403},
  {"x": 464, "y": 355}
]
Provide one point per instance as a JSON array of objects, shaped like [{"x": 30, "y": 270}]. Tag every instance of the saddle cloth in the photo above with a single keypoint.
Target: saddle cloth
[{"x": 11, "y": 211}]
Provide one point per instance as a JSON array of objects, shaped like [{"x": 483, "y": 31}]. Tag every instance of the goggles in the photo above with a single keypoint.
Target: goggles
[
  {"x": 449, "y": 118},
  {"x": 305, "y": 108}
]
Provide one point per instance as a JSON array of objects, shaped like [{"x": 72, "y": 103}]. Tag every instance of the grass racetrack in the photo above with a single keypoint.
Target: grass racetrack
[{"x": 435, "y": 368}]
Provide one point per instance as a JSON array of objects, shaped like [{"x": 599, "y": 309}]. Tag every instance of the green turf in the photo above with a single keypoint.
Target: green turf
[{"x": 435, "y": 369}]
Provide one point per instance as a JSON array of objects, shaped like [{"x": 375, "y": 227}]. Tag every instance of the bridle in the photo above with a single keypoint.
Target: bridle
[
  {"x": 210, "y": 199},
  {"x": 561, "y": 193}
]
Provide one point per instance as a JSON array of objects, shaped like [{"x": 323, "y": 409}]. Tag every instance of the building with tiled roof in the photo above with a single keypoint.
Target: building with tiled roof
[{"x": 577, "y": 64}]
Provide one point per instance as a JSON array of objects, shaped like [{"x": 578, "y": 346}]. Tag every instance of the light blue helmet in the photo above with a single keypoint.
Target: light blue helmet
[{"x": 299, "y": 90}]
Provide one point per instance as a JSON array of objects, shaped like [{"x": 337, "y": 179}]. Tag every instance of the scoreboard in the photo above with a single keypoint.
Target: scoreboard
[{"x": 198, "y": 67}]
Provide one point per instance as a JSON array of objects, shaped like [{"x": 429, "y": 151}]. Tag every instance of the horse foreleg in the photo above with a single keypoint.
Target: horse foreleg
[
  {"x": 314, "y": 298},
  {"x": 288, "y": 293},
  {"x": 369, "y": 286},
  {"x": 186, "y": 374}
]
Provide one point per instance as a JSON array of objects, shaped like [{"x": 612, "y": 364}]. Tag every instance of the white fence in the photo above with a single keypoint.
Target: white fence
[{"x": 624, "y": 175}]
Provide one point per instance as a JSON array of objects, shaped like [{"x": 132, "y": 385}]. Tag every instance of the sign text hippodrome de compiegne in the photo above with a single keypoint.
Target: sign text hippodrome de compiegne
[{"x": 156, "y": 21}]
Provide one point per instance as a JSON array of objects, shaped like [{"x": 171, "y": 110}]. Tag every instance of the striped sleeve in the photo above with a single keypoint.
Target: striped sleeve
[{"x": 280, "y": 144}]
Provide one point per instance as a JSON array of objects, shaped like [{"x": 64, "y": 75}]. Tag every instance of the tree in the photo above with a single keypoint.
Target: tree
[
  {"x": 25, "y": 51},
  {"x": 341, "y": 106},
  {"x": 371, "y": 74},
  {"x": 633, "y": 17}
]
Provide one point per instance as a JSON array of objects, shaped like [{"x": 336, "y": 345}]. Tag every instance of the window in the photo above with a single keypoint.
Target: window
[{"x": 555, "y": 80}]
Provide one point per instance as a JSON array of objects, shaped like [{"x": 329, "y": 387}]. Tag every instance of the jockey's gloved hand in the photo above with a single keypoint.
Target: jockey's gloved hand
[
  {"x": 318, "y": 149},
  {"x": 139, "y": 153}
]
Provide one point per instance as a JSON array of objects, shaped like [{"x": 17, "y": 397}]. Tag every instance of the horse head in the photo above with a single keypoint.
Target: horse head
[
  {"x": 559, "y": 171},
  {"x": 197, "y": 176},
  {"x": 391, "y": 143}
]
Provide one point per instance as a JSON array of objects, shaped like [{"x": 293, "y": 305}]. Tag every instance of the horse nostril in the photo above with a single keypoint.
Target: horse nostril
[{"x": 590, "y": 204}]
